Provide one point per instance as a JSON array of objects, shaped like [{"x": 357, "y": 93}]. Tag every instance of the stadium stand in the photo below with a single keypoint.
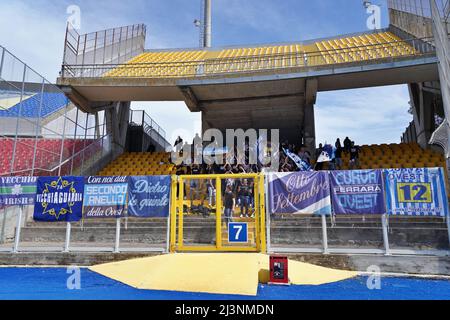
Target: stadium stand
[
  {"x": 47, "y": 103},
  {"x": 407, "y": 155},
  {"x": 362, "y": 47},
  {"x": 47, "y": 154},
  {"x": 140, "y": 164}
]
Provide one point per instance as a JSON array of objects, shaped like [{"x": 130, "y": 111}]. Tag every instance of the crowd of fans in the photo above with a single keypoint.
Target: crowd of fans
[
  {"x": 235, "y": 164},
  {"x": 238, "y": 193}
]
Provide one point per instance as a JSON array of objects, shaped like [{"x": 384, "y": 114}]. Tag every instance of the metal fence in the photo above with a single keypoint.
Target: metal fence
[
  {"x": 19, "y": 233},
  {"x": 116, "y": 45},
  {"x": 140, "y": 118},
  {"x": 419, "y": 7},
  {"x": 41, "y": 131},
  {"x": 197, "y": 217},
  {"x": 367, "y": 54}
]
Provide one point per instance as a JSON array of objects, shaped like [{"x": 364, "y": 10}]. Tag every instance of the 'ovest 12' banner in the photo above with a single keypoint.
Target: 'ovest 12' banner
[
  {"x": 59, "y": 199},
  {"x": 416, "y": 192},
  {"x": 105, "y": 197},
  {"x": 299, "y": 193},
  {"x": 149, "y": 196},
  {"x": 357, "y": 192}
]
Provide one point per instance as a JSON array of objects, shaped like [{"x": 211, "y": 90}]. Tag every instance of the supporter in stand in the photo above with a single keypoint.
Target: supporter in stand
[{"x": 354, "y": 156}]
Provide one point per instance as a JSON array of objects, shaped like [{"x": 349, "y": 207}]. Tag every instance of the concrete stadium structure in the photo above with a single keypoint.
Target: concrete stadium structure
[
  {"x": 261, "y": 86},
  {"x": 249, "y": 87}
]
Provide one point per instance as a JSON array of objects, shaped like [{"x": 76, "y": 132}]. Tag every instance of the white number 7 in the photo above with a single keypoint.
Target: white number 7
[{"x": 239, "y": 230}]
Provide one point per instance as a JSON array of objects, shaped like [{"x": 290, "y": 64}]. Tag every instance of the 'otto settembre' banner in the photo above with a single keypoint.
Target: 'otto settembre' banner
[
  {"x": 149, "y": 196},
  {"x": 299, "y": 193},
  {"x": 17, "y": 191},
  {"x": 105, "y": 197},
  {"x": 59, "y": 199},
  {"x": 416, "y": 192},
  {"x": 357, "y": 192}
]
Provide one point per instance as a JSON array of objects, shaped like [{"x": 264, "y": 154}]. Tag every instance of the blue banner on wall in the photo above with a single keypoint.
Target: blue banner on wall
[
  {"x": 17, "y": 191},
  {"x": 416, "y": 192},
  {"x": 299, "y": 193},
  {"x": 357, "y": 192},
  {"x": 59, "y": 199},
  {"x": 105, "y": 197},
  {"x": 149, "y": 196}
]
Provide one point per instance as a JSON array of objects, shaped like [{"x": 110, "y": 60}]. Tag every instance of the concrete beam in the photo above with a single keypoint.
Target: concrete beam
[{"x": 190, "y": 99}]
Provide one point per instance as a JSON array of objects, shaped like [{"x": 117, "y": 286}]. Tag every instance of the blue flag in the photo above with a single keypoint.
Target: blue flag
[
  {"x": 149, "y": 196},
  {"x": 59, "y": 199}
]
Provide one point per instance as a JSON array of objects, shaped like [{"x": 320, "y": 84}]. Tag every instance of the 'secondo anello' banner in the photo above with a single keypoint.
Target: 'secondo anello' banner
[
  {"x": 357, "y": 192},
  {"x": 299, "y": 193},
  {"x": 416, "y": 192},
  {"x": 149, "y": 196},
  {"x": 17, "y": 191},
  {"x": 105, "y": 197},
  {"x": 59, "y": 199}
]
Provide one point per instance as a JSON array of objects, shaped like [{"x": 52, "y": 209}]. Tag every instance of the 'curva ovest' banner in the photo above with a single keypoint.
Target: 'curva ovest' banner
[
  {"x": 299, "y": 193},
  {"x": 357, "y": 192},
  {"x": 149, "y": 196},
  {"x": 17, "y": 191},
  {"x": 105, "y": 197},
  {"x": 416, "y": 192},
  {"x": 59, "y": 199}
]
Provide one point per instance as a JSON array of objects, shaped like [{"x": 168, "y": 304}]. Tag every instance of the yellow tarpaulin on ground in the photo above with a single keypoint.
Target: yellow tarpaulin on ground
[{"x": 221, "y": 273}]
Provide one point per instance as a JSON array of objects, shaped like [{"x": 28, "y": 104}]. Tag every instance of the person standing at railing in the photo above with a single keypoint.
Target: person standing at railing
[
  {"x": 228, "y": 203},
  {"x": 244, "y": 197}
]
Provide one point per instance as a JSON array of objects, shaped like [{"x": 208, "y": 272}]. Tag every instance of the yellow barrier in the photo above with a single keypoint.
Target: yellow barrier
[{"x": 257, "y": 241}]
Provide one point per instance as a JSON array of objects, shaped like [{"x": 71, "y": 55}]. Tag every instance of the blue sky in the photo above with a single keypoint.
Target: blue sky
[{"x": 34, "y": 31}]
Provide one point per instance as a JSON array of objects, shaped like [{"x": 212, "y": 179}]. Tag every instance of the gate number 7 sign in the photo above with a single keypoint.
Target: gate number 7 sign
[{"x": 237, "y": 232}]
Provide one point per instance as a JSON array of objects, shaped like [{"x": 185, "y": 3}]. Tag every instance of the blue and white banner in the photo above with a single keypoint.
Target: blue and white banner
[
  {"x": 105, "y": 197},
  {"x": 357, "y": 192},
  {"x": 17, "y": 191},
  {"x": 299, "y": 193},
  {"x": 149, "y": 196},
  {"x": 416, "y": 192},
  {"x": 59, "y": 199},
  {"x": 302, "y": 165}
]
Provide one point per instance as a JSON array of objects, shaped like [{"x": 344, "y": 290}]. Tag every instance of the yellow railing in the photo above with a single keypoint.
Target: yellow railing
[{"x": 177, "y": 215}]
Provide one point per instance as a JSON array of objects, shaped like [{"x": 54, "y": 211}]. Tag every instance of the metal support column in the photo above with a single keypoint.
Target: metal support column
[
  {"x": 324, "y": 234},
  {"x": 38, "y": 126},
  {"x": 219, "y": 214},
  {"x": 18, "y": 229},
  {"x": 384, "y": 222},
  {"x": 117, "y": 243},
  {"x": 68, "y": 233}
]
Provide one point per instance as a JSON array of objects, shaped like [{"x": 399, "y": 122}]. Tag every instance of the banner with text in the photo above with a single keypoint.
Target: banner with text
[
  {"x": 416, "y": 192},
  {"x": 299, "y": 193},
  {"x": 105, "y": 197},
  {"x": 17, "y": 191},
  {"x": 357, "y": 192},
  {"x": 59, "y": 199},
  {"x": 149, "y": 196}
]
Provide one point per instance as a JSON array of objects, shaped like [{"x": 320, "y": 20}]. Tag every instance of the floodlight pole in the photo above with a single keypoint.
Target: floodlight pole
[{"x": 207, "y": 24}]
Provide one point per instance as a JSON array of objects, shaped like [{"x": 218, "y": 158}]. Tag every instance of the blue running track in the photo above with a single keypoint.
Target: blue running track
[{"x": 50, "y": 284}]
